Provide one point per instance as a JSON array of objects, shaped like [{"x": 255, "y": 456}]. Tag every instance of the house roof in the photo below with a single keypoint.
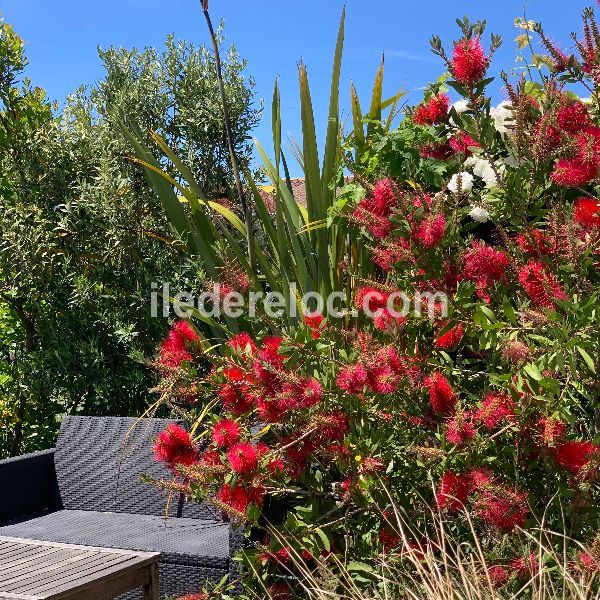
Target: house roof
[{"x": 267, "y": 192}]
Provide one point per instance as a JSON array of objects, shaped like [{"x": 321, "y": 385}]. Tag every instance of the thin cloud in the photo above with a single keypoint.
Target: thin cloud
[{"x": 410, "y": 55}]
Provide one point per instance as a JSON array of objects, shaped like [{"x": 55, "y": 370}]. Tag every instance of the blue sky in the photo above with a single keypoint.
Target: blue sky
[{"x": 62, "y": 36}]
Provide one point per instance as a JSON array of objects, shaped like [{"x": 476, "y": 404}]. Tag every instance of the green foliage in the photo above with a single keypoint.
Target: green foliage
[
  {"x": 83, "y": 235},
  {"x": 294, "y": 244}
]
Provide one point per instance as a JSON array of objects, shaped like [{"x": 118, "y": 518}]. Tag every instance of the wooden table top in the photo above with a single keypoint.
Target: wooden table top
[{"x": 34, "y": 570}]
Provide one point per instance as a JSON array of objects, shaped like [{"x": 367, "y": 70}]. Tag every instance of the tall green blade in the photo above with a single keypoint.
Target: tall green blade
[
  {"x": 357, "y": 122},
  {"x": 376, "y": 100},
  {"x": 312, "y": 170},
  {"x": 330, "y": 160}
]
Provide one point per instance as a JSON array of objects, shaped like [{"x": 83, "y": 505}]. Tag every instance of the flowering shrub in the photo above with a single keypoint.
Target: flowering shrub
[{"x": 488, "y": 412}]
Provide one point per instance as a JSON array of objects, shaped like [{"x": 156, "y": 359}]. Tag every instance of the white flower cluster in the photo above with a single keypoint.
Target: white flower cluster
[
  {"x": 482, "y": 168},
  {"x": 461, "y": 183},
  {"x": 503, "y": 116}
]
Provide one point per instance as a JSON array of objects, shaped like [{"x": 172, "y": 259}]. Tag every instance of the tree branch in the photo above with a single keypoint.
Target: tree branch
[{"x": 230, "y": 143}]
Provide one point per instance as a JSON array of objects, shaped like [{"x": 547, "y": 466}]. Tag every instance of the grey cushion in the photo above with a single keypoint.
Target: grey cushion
[
  {"x": 99, "y": 462},
  {"x": 192, "y": 541}
]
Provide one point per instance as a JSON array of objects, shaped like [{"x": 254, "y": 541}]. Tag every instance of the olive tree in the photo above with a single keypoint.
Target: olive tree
[{"x": 83, "y": 236}]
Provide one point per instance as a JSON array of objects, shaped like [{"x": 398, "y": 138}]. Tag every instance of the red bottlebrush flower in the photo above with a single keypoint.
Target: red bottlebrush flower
[
  {"x": 307, "y": 555},
  {"x": 234, "y": 374},
  {"x": 270, "y": 410},
  {"x": 226, "y": 433},
  {"x": 526, "y": 566},
  {"x": 388, "y": 538},
  {"x": 268, "y": 367},
  {"x": 332, "y": 426},
  {"x": 386, "y": 256},
  {"x": 441, "y": 395},
  {"x": 382, "y": 380},
  {"x": 587, "y": 212},
  {"x": 194, "y": 597},
  {"x": 583, "y": 168},
  {"x": 385, "y": 320},
  {"x": 516, "y": 352},
  {"x": 451, "y": 338},
  {"x": 462, "y": 143},
  {"x": 469, "y": 62},
  {"x": 588, "y": 144},
  {"x": 236, "y": 399},
  {"x": 210, "y": 458},
  {"x": 242, "y": 342},
  {"x": 383, "y": 198},
  {"x": 236, "y": 500},
  {"x": 534, "y": 241},
  {"x": 574, "y": 118},
  {"x": 310, "y": 392},
  {"x": 288, "y": 398},
  {"x": 348, "y": 485},
  {"x": 495, "y": 409},
  {"x": 575, "y": 456},
  {"x": 373, "y": 211},
  {"x": 498, "y": 575},
  {"x": 269, "y": 351},
  {"x": 418, "y": 421},
  {"x": 431, "y": 231},
  {"x": 459, "y": 430},
  {"x": 315, "y": 323},
  {"x": 444, "y": 151},
  {"x": 560, "y": 60},
  {"x": 176, "y": 347},
  {"x": 551, "y": 430},
  {"x": 338, "y": 452},
  {"x": 352, "y": 379},
  {"x": 541, "y": 287},
  {"x": 280, "y": 591},
  {"x": 401, "y": 365},
  {"x": 588, "y": 563},
  {"x": 280, "y": 557},
  {"x": 574, "y": 172},
  {"x": 243, "y": 458},
  {"x": 452, "y": 492},
  {"x": 548, "y": 138},
  {"x": 435, "y": 110},
  {"x": 174, "y": 446},
  {"x": 503, "y": 508},
  {"x": 297, "y": 452},
  {"x": 370, "y": 299},
  {"x": 485, "y": 265},
  {"x": 378, "y": 227},
  {"x": 276, "y": 467},
  {"x": 480, "y": 479}
]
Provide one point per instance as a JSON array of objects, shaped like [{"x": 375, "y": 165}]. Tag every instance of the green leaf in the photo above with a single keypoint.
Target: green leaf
[
  {"x": 324, "y": 539},
  {"x": 376, "y": 101},
  {"x": 354, "y": 565},
  {"x": 587, "y": 359},
  {"x": 532, "y": 370}
]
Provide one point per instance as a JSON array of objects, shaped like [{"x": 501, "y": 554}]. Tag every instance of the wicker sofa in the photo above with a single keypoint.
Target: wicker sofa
[{"x": 88, "y": 491}]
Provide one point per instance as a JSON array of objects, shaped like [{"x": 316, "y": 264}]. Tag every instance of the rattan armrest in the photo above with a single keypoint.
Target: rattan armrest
[{"x": 27, "y": 485}]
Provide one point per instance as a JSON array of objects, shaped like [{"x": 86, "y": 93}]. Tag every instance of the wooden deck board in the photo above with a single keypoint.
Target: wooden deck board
[
  {"x": 48, "y": 555},
  {"x": 36, "y": 570},
  {"x": 64, "y": 578},
  {"x": 5, "y": 547},
  {"x": 30, "y": 577}
]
